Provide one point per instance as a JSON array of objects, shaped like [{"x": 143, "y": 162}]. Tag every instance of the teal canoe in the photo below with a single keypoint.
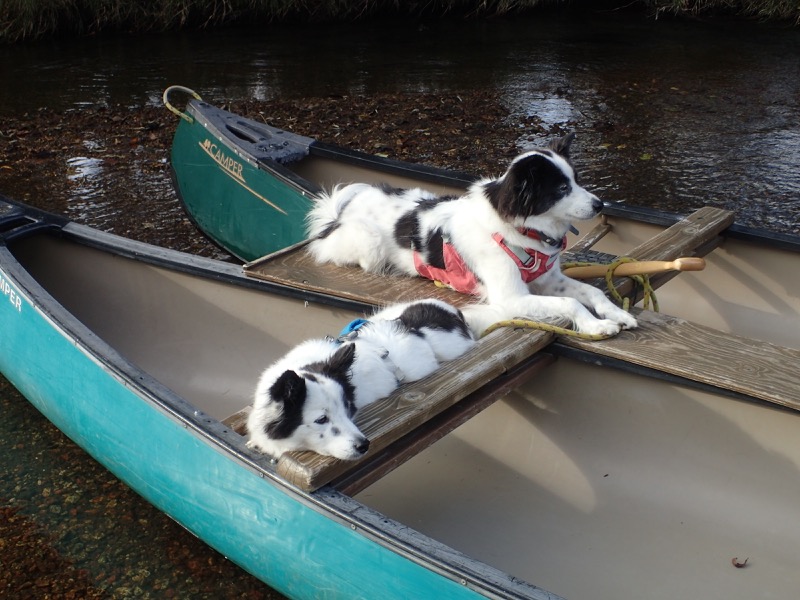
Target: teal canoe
[
  {"x": 136, "y": 353},
  {"x": 581, "y": 472}
]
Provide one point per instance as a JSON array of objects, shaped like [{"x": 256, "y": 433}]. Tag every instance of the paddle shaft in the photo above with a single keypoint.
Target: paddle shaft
[{"x": 644, "y": 267}]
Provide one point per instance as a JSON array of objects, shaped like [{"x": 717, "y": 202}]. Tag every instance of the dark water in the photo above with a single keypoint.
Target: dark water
[
  {"x": 672, "y": 114},
  {"x": 669, "y": 114}
]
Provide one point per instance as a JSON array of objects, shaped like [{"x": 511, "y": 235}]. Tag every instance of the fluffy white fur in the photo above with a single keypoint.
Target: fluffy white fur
[
  {"x": 306, "y": 400},
  {"x": 357, "y": 225}
]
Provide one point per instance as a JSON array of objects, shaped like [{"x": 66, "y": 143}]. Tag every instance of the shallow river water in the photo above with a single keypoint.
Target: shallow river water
[
  {"x": 669, "y": 114},
  {"x": 672, "y": 114}
]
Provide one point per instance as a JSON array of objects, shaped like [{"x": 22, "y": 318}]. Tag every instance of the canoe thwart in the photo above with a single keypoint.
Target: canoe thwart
[
  {"x": 695, "y": 235},
  {"x": 705, "y": 355},
  {"x": 421, "y": 412}
]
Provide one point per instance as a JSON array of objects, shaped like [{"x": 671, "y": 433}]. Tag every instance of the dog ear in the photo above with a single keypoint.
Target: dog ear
[
  {"x": 514, "y": 194},
  {"x": 290, "y": 391},
  {"x": 341, "y": 361},
  {"x": 561, "y": 145}
]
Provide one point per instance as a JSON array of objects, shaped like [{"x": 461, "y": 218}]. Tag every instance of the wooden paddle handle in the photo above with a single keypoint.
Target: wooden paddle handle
[{"x": 644, "y": 267}]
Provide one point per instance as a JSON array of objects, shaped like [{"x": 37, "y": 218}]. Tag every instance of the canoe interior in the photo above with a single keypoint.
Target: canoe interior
[
  {"x": 327, "y": 171},
  {"x": 205, "y": 340},
  {"x": 586, "y": 481},
  {"x": 600, "y": 485}
]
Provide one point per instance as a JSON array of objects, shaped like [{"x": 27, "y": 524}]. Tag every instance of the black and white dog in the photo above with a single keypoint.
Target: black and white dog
[
  {"x": 307, "y": 399},
  {"x": 501, "y": 241}
]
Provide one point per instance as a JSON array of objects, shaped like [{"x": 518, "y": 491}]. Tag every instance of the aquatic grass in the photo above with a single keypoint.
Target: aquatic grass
[
  {"x": 30, "y": 19},
  {"x": 768, "y": 10}
]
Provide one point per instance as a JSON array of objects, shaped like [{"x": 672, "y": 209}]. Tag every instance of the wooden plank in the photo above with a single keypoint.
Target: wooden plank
[
  {"x": 685, "y": 236},
  {"x": 709, "y": 356},
  {"x": 695, "y": 235},
  {"x": 387, "y": 420},
  {"x": 590, "y": 239},
  {"x": 692, "y": 236},
  {"x": 238, "y": 421},
  {"x": 299, "y": 269}
]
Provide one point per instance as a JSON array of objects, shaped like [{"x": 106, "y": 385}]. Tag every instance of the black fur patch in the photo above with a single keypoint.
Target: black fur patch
[
  {"x": 426, "y": 314},
  {"x": 434, "y": 250},
  {"x": 338, "y": 367},
  {"x": 406, "y": 231},
  {"x": 390, "y": 190},
  {"x": 530, "y": 187},
  {"x": 329, "y": 229},
  {"x": 290, "y": 390}
]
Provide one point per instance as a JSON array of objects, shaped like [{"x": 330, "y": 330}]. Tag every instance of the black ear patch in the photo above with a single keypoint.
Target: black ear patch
[
  {"x": 531, "y": 186},
  {"x": 561, "y": 145},
  {"x": 342, "y": 361},
  {"x": 338, "y": 367},
  {"x": 290, "y": 390}
]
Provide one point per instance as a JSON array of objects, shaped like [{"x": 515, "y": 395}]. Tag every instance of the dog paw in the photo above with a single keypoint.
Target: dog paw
[
  {"x": 599, "y": 327},
  {"x": 626, "y": 320},
  {"x": 623, "y": 318}
]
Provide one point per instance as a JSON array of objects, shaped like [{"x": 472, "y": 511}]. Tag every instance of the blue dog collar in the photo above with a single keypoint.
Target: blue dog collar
[{"x": 350, "y": 330}]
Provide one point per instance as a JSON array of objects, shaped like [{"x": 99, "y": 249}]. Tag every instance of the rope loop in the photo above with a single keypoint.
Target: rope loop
[
  {"x": 180, "y": 113},
  {"x": 640, "y": 281}
]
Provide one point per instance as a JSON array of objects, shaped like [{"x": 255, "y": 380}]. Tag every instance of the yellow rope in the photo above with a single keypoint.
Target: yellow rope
[
  {"x": 538, "y": 325},
  {"x": 648, "y": 298}
]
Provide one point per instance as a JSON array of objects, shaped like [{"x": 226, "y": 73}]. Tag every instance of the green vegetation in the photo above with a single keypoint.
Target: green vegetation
[
  {"x": 772, "y": 10},
  {"x": 28, "y": 19}
]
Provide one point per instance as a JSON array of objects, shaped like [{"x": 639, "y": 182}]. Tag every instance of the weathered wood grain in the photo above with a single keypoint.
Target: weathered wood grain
[
  {"x": 395, "y": 454},
  {"x": 757, "y": 369},
  {"x": 298, "y": 269}
]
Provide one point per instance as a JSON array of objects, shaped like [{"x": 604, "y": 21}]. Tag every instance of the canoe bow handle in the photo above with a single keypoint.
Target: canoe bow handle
[{"x": 179, "y": 88}]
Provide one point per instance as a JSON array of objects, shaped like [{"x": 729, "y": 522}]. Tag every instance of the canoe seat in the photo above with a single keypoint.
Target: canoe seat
[
  {"x": 420, "y": 413},
  {"x": 680, "y": 348},
  {"x": 498, "y": 363},
  {"x": 696, "y": 235}
]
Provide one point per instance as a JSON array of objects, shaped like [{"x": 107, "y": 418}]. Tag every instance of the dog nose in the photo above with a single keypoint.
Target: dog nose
[
  {"x": 362, "y": 446},
  {"x": 597, "y": 204}
]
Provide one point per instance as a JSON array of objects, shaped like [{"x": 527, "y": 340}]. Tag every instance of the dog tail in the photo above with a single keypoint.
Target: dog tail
[{"x": 323, "y": 218}]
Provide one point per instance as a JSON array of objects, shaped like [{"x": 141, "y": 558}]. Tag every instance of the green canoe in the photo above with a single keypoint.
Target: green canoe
[{"x": 247, "y": 185}]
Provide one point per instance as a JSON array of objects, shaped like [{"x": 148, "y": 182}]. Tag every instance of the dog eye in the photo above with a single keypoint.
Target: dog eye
[
  {"x": 563, "y": 188},
  {"x": 322, "y": 420}
]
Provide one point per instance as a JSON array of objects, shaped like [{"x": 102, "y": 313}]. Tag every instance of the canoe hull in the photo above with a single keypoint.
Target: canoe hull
[
  {"x": 592, "y": 481},
  {"x": 248, "y": 186},
  {"x": 243, "y": 206}
]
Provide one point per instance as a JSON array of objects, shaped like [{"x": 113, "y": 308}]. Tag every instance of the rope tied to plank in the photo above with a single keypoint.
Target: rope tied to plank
[{"x": 642, "y": 281}]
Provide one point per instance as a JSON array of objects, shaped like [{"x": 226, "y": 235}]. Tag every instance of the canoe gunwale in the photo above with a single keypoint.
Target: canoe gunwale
[
  {"x": 211, "y": 117},
  {"x": 393, "y": 536}
]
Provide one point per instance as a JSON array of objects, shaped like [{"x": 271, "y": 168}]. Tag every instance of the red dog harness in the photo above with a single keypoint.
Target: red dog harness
[{"x": 456, "y": 274}]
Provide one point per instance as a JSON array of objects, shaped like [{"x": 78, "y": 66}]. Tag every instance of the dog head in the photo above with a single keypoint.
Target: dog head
[
  {"x": 542, "y": 183},
  {"x": 309, "y": 408}
]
